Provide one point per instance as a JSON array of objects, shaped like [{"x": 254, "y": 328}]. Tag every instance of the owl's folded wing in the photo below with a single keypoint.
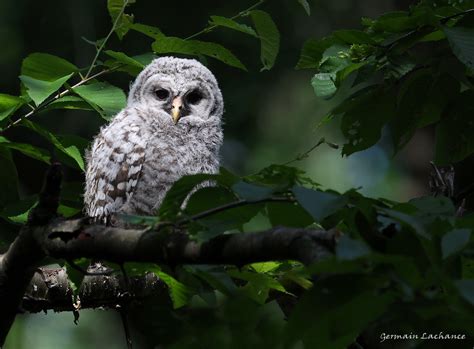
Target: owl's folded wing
[{"x": 113, "y": 169}]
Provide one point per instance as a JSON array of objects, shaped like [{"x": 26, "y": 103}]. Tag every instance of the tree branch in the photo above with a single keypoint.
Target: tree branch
[
  {"x": 46, "y": 235},
  {"x": 50, "y": 289}
]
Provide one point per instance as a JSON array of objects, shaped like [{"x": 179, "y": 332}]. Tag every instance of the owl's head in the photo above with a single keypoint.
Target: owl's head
[{"x": 180, "y": 90}]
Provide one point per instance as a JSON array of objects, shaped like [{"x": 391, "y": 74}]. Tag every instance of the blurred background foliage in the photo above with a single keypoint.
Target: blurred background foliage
[{"x": 271, "y": 116}]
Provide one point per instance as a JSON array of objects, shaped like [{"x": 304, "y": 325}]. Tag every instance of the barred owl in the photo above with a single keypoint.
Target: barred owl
[{"x": 171, "y": 127}]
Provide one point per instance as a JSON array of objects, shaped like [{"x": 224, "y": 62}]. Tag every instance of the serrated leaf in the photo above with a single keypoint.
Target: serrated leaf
[
  {"x": 107, "y": 99},
  {"x": 148, "y": 30},
  {"x": 305, "y": 5},
  {"x": 9, "y": 104},
  {"x": 39, "y": 90},
  {"x": 454, "y": 241},
  {"x": 318, "y": 203},
  {"x": 312, "y": 52},
  {"x": 178, "y": 292},
  {"x": 168, "y": 44},
  {"x": 120, "y": 19},
  {"x": 461, "y": 40},
  {"x": 269, "y": 37},
  {"x": 43, "y": 66},
  {"x": 231, "y": 24},
  {"x": 27, "y": 149},
  {"x": 71, "y": 151}
]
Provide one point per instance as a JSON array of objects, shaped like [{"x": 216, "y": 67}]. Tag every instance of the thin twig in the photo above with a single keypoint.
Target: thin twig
[
  {"x": 101, "y": 47},
  {"x": 230, "y": 205}
]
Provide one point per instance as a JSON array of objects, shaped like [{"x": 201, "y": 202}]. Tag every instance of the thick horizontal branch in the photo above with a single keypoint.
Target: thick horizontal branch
[{"x": 76, "y": 238}]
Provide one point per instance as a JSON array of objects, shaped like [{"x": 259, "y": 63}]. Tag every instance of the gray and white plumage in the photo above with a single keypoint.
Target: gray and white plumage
[{"x": 147, "y": 146}]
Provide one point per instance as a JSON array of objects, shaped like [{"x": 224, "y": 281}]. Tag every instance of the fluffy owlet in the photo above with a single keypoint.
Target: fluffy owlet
[{"x": 171, "y": 127}]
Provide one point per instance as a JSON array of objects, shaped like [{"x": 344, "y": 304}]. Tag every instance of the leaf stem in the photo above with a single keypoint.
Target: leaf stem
[{"x": 101, "y": 47}]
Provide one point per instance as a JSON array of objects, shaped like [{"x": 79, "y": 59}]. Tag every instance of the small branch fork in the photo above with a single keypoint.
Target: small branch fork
[{"x": 23, "y": 287}]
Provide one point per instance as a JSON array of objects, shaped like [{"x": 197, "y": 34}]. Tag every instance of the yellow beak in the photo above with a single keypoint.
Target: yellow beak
[{"x": 176, "y": 109}]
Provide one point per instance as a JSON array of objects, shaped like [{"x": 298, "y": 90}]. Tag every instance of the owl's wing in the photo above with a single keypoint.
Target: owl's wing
[{"x": 113, "y": 169}]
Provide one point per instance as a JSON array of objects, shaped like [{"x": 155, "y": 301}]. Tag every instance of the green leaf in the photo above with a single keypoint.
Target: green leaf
[
  {"x": 18, "y": 211},
  {"x": 148, "y": 30},
  {"x": 269, "y": 37},
  {"x": 231, "y": 24},
  {"x": 305, "y": 5},
  {"x": 120, "y": 19},
  {"x": 39, "y": 90},
  {"x": 312, "y": 52},
  {"x": 251, "y": 192},
  {"x": 363, "y": 119},
  {"x": 124, "y": 59},
  {"x": 462, "y": 43},
  {"x": 350, "y": 249},
  {"x": 107, "y": 99},
  {"x": 324, "y": 84},
  {"x": 71, "y": 151},
  {"x": 9, "y": 104},
  {"x": 69, "y": 102},
  {"x": 454, "y": 141},
  {"x": 43, "y": 66},
  {"x": 466, "y": 289},
  {"x": 75, "y": 276},
  {"x": 219, "y": 222},
  {"x": 27, "y": 149},
  {"x": 318, "y": 203},
  {"x": 179, "y": 292},
  {"x": 353, "y": 36},
  {"x": 288, "y": 214},
  {"x": 454, "y": 241},
  {"x": 8, "y": 178},
  {"x": 167, "y": 44}
]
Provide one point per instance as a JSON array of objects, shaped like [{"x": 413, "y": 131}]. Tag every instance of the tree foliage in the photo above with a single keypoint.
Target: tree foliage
[{"x": 398, "y": 268}]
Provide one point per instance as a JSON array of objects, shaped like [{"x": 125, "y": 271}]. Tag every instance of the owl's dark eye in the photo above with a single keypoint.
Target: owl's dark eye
[
  {"x": 194, "y": 97},
  {"x": 162, "y": 94}
]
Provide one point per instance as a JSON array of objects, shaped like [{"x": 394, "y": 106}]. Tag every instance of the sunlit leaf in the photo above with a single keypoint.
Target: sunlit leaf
[
  {"x": 39, "y": 90},
  {"x": 269, "y": 37},
  {"x": 179, "y": 292},
  {"x": 107, "y": 99},
  {"x": 9, "y": 104}
]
